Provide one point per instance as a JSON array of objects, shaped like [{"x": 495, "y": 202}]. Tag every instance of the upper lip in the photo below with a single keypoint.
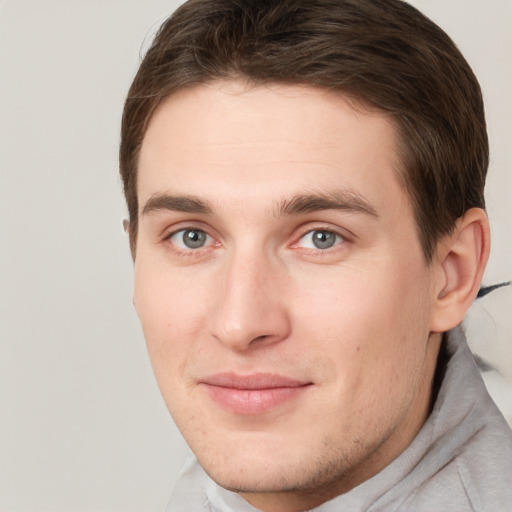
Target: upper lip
[{"x": 252, "y": 381}]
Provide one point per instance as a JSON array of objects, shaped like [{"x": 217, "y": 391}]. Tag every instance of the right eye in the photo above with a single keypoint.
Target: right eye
[{"x": 190, "y": 239}]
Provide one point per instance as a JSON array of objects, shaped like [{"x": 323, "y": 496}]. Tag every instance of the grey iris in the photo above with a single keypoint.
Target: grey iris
[
  {"x": 323, "y": 239},
  {"x": 194, "y": 239}
]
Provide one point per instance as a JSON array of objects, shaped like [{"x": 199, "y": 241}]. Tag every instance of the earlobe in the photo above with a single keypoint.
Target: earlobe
[{"x": 461, "y": 258}]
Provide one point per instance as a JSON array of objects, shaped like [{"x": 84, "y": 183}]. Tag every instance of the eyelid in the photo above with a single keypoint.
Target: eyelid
[
  {"x": 184, "y": 225},
  {"x": 209, "y": 241},
  {"x": 338, "y": 239},
  {"x": 346, "y": 235},
  {"x": 172, "y": 231}
]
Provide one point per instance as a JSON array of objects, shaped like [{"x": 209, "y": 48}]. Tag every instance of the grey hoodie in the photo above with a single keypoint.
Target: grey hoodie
[{"x": 461, "y": 460}]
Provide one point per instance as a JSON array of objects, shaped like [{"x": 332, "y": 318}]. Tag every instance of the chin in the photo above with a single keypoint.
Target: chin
[
  {"x": 259, "y": 464},
  {"x": 264, "y": 478},
  {"x": 272, "y": 464}
]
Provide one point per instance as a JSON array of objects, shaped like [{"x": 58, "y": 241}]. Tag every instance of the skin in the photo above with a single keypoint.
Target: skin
[{"x": 356, "y": 321}]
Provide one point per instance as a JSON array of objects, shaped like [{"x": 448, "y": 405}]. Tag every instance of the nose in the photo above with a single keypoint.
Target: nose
[{"x": 251, "y": 310}]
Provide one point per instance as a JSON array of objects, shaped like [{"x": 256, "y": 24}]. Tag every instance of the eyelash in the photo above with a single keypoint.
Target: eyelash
[
  {"x": 188, "y": 250},
  {"x": 338, "y": 239},
  {"x": 211, "y": 242}
]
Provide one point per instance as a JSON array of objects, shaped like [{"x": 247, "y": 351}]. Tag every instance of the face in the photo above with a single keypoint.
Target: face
[{"x": 281, "y": 287}]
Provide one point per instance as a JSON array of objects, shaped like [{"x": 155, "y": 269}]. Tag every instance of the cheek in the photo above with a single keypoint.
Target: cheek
[
  {"x": 169, "y": 310},
  {"x": 363, "y": 322},
  {"x": 354, "y": 300}
]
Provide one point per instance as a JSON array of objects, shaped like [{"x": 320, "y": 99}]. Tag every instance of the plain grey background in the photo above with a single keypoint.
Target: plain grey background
[{"x": 82, "y": 425}]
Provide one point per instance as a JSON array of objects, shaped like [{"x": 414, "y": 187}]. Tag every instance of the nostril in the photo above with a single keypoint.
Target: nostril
[{"x": 262, "y": 337}]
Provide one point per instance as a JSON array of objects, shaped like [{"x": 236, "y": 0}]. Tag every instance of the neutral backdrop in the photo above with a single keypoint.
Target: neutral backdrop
[{"x": 82, "y": 425}]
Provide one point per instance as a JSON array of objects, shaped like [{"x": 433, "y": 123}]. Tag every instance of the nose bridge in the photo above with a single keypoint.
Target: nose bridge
[{"x": 251, "y": 308}]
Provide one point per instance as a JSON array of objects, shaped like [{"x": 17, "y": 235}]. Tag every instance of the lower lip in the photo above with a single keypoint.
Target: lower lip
[{"x": 253, "y": 401}]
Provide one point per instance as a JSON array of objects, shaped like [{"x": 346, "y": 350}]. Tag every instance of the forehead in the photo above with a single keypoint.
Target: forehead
[{"x": 272, "y": 140}]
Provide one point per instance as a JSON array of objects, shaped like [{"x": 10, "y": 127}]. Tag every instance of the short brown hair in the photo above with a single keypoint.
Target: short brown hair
[{"x": 384, "y": 53}]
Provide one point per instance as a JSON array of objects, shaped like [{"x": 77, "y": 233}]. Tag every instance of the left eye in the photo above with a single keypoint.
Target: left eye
[
  {"x": 320, "y": 239},
  {"x": 190, "y": 239}
]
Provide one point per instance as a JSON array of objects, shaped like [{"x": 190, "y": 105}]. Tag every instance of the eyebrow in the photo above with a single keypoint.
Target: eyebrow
[
  {"x": 346, "y": 200},
  {"x": 187, "y": 204}
]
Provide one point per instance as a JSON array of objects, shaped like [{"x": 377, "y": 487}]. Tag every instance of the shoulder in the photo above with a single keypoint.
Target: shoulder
[{"x": 477, "y": 478}]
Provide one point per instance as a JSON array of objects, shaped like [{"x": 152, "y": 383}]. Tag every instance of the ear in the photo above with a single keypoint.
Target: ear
[
  {"x": 126, "y": 225},
  {"x": 460, "y": 263}
]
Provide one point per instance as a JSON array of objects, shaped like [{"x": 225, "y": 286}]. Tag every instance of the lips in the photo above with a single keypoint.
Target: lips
[{"x": 252, "y": 394}]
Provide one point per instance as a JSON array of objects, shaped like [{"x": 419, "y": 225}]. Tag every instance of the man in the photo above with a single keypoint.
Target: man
[{"x": 305, "y": 184}]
